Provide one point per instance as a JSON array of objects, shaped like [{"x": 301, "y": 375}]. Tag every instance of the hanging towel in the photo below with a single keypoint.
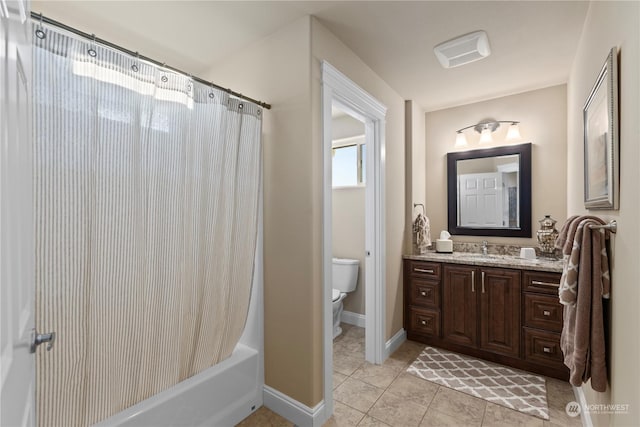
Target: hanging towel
[
  {"x": 570, "y": 241},
  {"x": 422, "y": 231},
  {"x": 585, "y": 281}
]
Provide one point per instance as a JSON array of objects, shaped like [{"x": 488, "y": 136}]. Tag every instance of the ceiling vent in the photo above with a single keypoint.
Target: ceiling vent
[{"x": 463, "y": 50}]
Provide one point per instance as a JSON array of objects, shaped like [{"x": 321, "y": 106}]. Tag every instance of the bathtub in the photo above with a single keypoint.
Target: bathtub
[{"x": 220, "y": 396}]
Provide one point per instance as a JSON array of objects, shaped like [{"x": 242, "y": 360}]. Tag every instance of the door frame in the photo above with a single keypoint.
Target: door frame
[{"x": 339, "y": 90}]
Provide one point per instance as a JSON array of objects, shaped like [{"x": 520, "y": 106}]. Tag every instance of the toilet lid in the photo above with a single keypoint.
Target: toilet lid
[{"x": 335, "y": 295}]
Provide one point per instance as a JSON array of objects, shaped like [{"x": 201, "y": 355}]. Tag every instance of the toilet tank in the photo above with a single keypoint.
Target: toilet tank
[{"x": 345, "y": 274}]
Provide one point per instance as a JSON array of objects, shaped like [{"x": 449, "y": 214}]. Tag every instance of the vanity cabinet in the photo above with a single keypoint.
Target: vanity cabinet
[
  {"x": 542, "y": 319},
  {"x": 422, "y": 291},
  {"x": 505, "y": 315},
  {"x": 481, "y": 308}
]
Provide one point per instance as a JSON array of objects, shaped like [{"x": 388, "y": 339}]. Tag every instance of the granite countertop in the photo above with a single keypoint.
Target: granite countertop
[{"x": 505, "y": 261}]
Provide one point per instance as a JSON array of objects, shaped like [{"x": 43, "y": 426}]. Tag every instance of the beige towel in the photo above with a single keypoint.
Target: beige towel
[
  {"x": 570, "y": 240},
  {"x": 585, "y": 281},
  {"x": 562, "y": 236}
]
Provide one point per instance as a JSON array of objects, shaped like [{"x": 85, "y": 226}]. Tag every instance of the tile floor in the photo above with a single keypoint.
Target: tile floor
[{"x": 385, "y": 395}]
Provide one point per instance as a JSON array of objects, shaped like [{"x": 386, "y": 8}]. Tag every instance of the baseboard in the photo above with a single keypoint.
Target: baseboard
[
  {"x": 585, "y": 416},
  {"x": 294, "y": 411},
  {"x": 395, "y": 342},
  {"x": 352, "y": 318}
]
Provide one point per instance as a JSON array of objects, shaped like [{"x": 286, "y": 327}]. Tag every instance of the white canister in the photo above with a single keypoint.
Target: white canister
[{"x": 527, "y": 253}]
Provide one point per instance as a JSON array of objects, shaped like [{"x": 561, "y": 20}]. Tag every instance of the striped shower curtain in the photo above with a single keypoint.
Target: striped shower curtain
[{"x": 146, "y": 219}]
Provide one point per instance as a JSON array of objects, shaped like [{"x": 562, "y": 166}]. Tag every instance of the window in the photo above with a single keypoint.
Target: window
[{"x": 349, "y": 163}]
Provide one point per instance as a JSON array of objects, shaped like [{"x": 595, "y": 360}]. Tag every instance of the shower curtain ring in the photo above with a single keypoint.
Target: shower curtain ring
[
  {"x": 39, "y": 33},
  {"x": 135, "y": 67},
  {"x": 164, "y": 78},
  {"x": 92, "y": 52}
]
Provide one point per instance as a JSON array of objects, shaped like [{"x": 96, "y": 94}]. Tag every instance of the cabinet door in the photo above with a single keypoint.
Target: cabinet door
[
  {"x": 459, "y": 305},
  {"x": 499, "y": 291}
]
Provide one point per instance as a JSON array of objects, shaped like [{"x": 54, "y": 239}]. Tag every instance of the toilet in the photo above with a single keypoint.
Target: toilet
[{"x": 345, "y": 279}]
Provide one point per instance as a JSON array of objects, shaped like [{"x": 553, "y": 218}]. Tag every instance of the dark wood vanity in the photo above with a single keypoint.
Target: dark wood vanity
[{"x": 506, "y": 315}]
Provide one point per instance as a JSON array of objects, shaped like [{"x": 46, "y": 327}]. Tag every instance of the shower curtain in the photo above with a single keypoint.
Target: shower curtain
[{"x": 146, "y": 219}]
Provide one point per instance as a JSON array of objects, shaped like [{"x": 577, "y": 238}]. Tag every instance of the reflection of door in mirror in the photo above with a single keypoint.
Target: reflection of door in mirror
[
  {"x": 481, "y": 200},
  {"x": 488, "y": 193}
]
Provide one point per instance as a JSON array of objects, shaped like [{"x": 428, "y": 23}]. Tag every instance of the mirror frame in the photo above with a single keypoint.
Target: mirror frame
[{"x": 524, "y": 152}]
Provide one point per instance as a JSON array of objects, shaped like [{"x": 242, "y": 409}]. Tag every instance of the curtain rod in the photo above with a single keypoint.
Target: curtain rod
[{"x": 43, "y": 19}]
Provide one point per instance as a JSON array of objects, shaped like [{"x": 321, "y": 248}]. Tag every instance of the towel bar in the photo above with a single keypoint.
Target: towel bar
[{"x": 612, "y": 226}]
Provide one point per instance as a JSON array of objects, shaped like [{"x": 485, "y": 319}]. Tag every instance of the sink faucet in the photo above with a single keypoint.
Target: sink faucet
[{"x": 484, "y": 247}]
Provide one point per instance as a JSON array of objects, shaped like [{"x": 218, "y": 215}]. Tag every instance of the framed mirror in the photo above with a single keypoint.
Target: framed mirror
[{"x": 489, "y": 191}]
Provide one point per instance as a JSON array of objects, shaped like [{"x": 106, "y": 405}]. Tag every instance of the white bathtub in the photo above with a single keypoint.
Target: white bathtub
[{"x": 220, "y": 396}]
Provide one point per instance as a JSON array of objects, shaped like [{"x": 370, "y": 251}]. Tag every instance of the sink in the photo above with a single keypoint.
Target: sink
[{"x": 475, "y": 255}]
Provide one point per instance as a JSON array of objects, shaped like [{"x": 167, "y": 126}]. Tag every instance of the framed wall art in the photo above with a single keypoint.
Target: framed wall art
[{"x": 601, "y": 141}]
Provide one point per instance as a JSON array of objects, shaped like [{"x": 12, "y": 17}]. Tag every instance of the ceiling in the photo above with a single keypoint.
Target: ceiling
[{"x": 532, "y": 42}]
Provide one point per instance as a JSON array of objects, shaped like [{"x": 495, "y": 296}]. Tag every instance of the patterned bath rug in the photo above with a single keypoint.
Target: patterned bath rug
[{"x": 495, "y": 383}]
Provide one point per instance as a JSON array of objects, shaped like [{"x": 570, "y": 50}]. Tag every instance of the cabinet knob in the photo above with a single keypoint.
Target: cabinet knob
[
  {"x": 423, "y": 293},
  {"x": 424, "y": 322},
  {"x": 546, "y": 349},
  {"x": 546, "y": 313}
]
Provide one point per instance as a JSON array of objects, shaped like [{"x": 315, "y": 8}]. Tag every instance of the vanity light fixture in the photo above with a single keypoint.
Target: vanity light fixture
[
  {"x": 485, "y": 128},
  {"x": 514, "y": 132}
]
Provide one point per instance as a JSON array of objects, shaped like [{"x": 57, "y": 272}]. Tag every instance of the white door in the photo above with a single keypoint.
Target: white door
[
  {"x": 481, "y": 200},
  {"x": 17, "y": 271}
]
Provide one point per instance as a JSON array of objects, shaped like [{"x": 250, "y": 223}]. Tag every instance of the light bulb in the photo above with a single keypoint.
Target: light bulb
[
  {"x": 485, "y": 136},
  {"x": 514, "y": 132},
  {"x": 461, "y": 140}
]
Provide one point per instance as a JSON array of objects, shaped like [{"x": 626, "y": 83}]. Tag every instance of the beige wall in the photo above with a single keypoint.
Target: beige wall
[
  {"x": 415, "y": 160},
  {"x": 346, "y": 127},
  {"x": 325, "y": 46},
  {"x": 348, "y": 238},
  {"x": 543, "y": 121},
  {"x": 610, "y": 24},
  {"x": 348, "y": 205},
  {"x": 276, "y": 69},
  {"x": 284, "y": 69}
]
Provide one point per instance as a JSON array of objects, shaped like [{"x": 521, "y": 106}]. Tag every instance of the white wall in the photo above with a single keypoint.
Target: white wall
[
  {"x": 543, "y": 122},
  {"x": 610, "y": 24}
]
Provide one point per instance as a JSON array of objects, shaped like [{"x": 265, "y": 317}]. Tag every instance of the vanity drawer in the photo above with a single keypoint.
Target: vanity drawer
[
  {"x": 425, "y": 293},
  {"x": 543, "y": 347},
  {"x": 424, "y": 321},
  {"x": 543, "y": 312},
  {"x": 424, "y": 269},
  {"x": 540, "y": 281}
]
